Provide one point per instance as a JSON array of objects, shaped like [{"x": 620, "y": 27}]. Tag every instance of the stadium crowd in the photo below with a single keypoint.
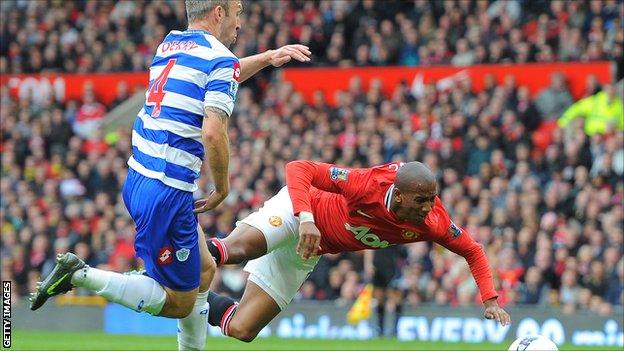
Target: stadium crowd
[
  {"x": 548, "y": 212},
  {"x": 106, "y": 35}
]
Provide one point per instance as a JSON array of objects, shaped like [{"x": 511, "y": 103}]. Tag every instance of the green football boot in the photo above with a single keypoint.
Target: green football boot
[{"x": 59, "y": 281}]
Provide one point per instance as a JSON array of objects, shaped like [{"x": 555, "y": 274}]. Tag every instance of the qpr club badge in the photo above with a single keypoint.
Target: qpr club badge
[{"x": 182, "y": 254}]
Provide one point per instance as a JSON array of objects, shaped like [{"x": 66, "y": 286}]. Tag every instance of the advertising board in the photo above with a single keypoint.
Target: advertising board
[{"x": 444, "y": 324}]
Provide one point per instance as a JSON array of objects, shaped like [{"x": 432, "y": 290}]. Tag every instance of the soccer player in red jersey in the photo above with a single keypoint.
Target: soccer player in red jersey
[{"x": 329, "y": 209}]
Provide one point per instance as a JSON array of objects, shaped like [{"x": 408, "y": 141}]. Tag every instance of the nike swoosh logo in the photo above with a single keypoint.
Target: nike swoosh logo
[
  {"x": 364, "y": 214},
  {"x": 50, "y": 290}
]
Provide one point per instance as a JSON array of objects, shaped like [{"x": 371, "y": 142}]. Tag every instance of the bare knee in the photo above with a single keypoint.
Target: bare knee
[
  {"x": 176, "y": 312},
  {"x": 176, "y": 307},
  {"x": 241, "y": 333},
  {"x": 209, "y": 267}
]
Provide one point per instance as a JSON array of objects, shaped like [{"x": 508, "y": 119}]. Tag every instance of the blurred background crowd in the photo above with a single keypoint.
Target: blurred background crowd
[
  {"x": 547, "y": 207},
  {"x": 106, "y": 35}
]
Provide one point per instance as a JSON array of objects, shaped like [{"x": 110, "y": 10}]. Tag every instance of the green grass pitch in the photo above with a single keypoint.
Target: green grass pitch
[{"x": 44, "y": 340}]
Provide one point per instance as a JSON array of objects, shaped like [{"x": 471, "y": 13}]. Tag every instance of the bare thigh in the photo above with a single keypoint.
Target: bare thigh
[
  {"x": 245, "y": 243},
  {"x": 179, "y": 303},
  {"x": 255, "y": 310}
]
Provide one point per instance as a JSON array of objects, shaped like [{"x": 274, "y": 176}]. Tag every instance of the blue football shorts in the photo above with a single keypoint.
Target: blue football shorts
[{"x": 166, "y": 231}]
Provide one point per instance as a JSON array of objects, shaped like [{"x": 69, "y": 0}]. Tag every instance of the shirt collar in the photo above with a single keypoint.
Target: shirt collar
[
  {"x": 388, "y": 197},
  {"x": 197, "y": 30}
]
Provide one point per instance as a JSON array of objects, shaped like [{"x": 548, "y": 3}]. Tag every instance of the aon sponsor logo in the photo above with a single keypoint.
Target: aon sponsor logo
[{"x": 368, "y": 238}]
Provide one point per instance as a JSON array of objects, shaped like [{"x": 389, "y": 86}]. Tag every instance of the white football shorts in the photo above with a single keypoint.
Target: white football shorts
[{"x": 280, "y": 272}]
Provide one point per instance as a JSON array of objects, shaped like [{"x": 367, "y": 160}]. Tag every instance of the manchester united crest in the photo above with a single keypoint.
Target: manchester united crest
[
  {"x": 275, "y": 221},
  {"x": 409, "y": 235}
]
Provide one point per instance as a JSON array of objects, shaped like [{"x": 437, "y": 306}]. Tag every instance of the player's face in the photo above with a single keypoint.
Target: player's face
[
  {"x": 415, "y": 206},
  {"x": 231, "y": 23}
]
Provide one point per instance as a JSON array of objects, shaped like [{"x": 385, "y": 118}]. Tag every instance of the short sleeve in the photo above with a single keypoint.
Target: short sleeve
[{"x": 222, "y": 84}]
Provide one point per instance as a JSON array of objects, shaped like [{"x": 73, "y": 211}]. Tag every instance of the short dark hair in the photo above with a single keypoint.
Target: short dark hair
[{"x": 196, "y": 9}]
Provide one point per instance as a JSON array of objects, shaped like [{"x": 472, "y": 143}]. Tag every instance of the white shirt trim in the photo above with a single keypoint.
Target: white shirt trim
[
  {"x": 388, "y": 197},
  {"x": 175, "y": 183},
  {"x": 166, "y": 152},
  {"x": 182, "y": 129}
]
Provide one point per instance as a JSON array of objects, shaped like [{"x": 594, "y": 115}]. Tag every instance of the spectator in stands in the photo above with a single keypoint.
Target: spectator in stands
[
  {"x": 528, "y": 114},
  {"x": 78, "y": 37},
  {"x": 122, "y": 94},
  {"x": 89, "y": 116},
  {"x": 603, "y": 112},
  {"x": 533, "y": 290},
  {"x": 553, "y": 101}
]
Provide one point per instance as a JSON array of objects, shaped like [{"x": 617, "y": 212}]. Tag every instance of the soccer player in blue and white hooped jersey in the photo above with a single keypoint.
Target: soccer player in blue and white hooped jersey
[{"x": 194, "y": 78}]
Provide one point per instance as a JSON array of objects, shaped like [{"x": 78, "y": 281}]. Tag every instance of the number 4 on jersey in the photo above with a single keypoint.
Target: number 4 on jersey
[{"x": 156, "y": 93}]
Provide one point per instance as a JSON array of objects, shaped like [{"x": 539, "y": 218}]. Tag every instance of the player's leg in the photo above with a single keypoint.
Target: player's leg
[
  {"x": 396, "y": 297},
  {"x": 192, "y": 328},
  {"x": 273, "y": 281},
  {"x": 246, "y": 242},
  {"x": 243, "y": 244},
  {"x": 381, "y": 280},
  {"x": 165, "y": 227},
  {"x": 274, "y": 278},
  {"x": 246, "y": 319},
  {"x": 136, "y": 291},
  {"x": 167, "y": 240},
  {"x": 380, "y": 309}
]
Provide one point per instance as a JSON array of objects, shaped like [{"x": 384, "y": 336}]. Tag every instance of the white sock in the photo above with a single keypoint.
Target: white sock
[
  {"x": 135, "y": 291},
  {"x": 193, "y": 328}
]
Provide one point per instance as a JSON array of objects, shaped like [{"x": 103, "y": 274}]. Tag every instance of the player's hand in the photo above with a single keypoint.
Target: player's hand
[
  {"x": 309, "y": 240},
  {"x": 493, "y": 311},
  {"x": 280, "y": 56},
  {"x": 213, "y": 200}
]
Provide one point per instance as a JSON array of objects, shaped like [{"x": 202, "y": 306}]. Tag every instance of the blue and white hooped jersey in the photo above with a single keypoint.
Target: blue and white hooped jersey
[{"x": 190, "y": 71}]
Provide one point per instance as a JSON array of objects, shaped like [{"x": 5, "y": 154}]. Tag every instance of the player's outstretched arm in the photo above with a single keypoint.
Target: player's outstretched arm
[
  {"x": 250, "y": 65},
  {"x": 465, "y": 246},
  {"x": 459, "y": 241},
  {"x": 217, "y": 145}
]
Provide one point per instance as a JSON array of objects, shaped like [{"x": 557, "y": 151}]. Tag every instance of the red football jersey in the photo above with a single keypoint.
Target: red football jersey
[{"x": 351, "y": 209}]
